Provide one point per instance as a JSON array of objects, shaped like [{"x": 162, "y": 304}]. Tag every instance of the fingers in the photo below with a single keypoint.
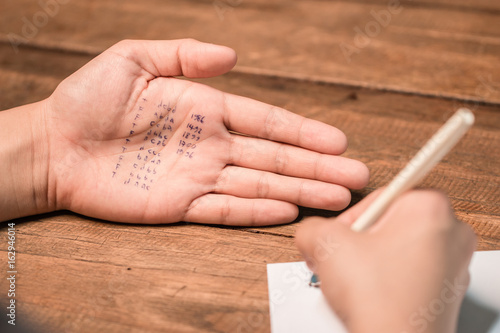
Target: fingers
[
  {"x": 423, "y": 211},
  {"x": 414, "y": 217},
  {"x": 319, "y": 238},
  {"x": 251, "y": 117},
  {"x": 230, "y": 210},
  {"x": 418, "y": 210},
  {"x": 351, "y": 215},
  {"x": 186, "y": 57},
  {"x": 297, "y": 162},
  {"x": 433, "y": 204},
  {"x": 249, "y": 183}
]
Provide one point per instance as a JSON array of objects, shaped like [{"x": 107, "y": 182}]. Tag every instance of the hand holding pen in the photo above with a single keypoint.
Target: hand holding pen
[{"x": 408, "y": 272}]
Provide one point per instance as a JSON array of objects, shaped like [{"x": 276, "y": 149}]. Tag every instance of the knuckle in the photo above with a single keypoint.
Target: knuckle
[
  {"x": 225, "y": 212},
  {"x": 440, "y": 206},
  {"x": 300, "y": 193},
  {"x": 272, "y": 122},
  {"x": 255, "y": 215},
  {"x": 434, "y": 209},
  {"x": 124, "y": 44},
  {"x": 263, "y": 186},
  {"x": 222, "y": 181},
  {"x": 281, "y": 159},
  {"x": 318, "y": 166},
  {"x": 235, "y": 152},
  {"x": 126, "y": 48},
  {"x": 434, "y": 201}
]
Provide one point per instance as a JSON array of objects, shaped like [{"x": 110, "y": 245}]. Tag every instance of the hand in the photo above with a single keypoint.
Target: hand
[
  {"x": 408, "y": 273},
  {"x": 129, "y": 142}
]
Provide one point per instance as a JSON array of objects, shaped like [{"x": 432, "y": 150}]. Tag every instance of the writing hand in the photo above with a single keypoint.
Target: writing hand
[{"x": 408, "y": 273}]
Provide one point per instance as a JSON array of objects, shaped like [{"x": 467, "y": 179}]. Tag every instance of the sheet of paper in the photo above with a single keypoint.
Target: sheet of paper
[
  {"x": 296, "y": 307},
  {"x": 481, "y": 308}
]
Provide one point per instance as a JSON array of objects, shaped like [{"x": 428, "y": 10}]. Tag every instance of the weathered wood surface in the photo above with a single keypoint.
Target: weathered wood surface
[
  {"x": 447, "y": 49},
  {"x": 83, "y": 275}
]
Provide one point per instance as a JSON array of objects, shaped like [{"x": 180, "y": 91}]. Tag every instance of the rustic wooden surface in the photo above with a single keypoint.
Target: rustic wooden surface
[{"x": 83, "y": 275}]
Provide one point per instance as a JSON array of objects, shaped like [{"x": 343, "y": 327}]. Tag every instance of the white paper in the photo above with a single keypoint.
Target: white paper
[
  {"x": 296, "y": 307},
  {"x": 483, "y": 294}
]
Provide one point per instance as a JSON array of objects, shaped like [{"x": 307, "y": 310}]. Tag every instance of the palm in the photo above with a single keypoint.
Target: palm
[{"x": 138, "y": 147}]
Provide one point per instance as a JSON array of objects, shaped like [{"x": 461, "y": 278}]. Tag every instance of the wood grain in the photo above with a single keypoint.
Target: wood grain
[
  {"x": 86, "y": 275},
  {"x": 446, "y": 50},
  {"x": 78, "y": 274},
  {"x": 386, "y": 129}
]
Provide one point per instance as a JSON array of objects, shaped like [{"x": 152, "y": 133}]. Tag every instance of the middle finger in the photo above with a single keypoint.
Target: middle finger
[{"x": 255, "y": 153}]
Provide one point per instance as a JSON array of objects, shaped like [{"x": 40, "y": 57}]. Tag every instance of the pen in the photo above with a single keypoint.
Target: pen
[{"x": 426, "y": 158}]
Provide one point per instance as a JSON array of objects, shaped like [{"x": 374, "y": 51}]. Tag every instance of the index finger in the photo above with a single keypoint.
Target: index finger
[
  {"x": 351, "y": 215},
  {"x": 265, "y": 121}
]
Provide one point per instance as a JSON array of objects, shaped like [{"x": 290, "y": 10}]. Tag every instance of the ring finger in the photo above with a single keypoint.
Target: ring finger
[{"x": 250, "y": 183}]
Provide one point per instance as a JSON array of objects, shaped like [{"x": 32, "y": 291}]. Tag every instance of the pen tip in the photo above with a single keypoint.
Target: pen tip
[{"x": 314, "y": 281}]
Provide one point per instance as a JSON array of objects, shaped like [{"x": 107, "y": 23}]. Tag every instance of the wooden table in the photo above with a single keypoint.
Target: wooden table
[{"x": 388, "y": 87}]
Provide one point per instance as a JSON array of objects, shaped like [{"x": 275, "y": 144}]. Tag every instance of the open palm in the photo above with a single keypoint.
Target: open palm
[{"x": 130, "y": 142}]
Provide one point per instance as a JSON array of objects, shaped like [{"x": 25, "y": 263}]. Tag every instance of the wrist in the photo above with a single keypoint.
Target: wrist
[{"x": 24, "y": 185}]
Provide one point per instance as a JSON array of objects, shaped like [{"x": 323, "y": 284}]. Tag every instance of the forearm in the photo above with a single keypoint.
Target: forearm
[{"x": 24, "y": 166}]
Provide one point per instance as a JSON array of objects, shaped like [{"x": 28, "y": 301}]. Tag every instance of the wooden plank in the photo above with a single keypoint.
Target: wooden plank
[
  {"x": 33, "y": 75},
  {"x": 481, "y": 5},
  {"x": 385, "y": 130},
  {"x": 91, "y": 276},
  {"x": 446, "y": 50},
  {"x": 74, "y": 272}
]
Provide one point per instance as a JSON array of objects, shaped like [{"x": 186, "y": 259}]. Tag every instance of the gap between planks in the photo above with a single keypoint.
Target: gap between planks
[{"x": 78, "y": 49}]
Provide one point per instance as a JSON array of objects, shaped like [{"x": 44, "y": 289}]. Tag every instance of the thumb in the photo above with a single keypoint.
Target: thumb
[{"x": 187, "y": 57}]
